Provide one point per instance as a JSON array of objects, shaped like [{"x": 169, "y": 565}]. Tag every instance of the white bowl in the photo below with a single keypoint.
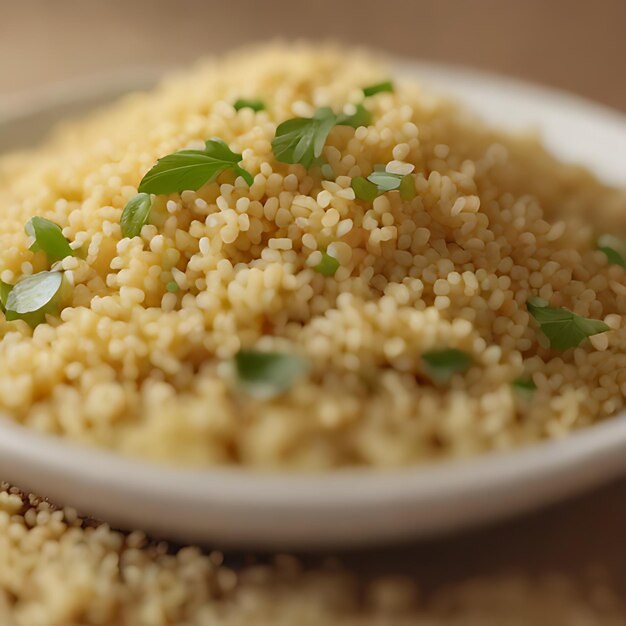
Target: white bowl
[{"x": 237, "y": 507}]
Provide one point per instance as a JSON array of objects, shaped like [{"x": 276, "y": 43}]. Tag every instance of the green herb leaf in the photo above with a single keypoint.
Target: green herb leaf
[
  {"x": 614, "y": 248},
  {"x": 33, "y": 297},
  {"x": 561, "y": 326},
  {"x": 524, "y": 384},
  {"x": 385, "y": 181},
  {"x": 5, "y": 289},
  {"x": 135, "y": 215},
  {"x": 442, "y": 364},
  {"x": 244, "y": 103},
  {"x": 190, "y": 169},
  {"x": 49, "y": 238},
  {"x": 380, "y": 181},
  {"x": 172, "y": 286},
  {"x": 328, "y": 265},
  {"x": 268, "y": 374},
  {"x": 407, "y": 188},
  {"x": 364, "y": 189},
  {"x": 361, "y": 117},
  {"x": 377, "y": 88},
  {"x": 302, "y": 139}
]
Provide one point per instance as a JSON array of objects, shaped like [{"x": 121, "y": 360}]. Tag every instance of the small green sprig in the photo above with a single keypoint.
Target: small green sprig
[
  {"x": 372, "y": 90},
  {"x": 614, "y": 248},
  {"x": 302, "y": 139},
  {"x": 563, "y": 328},
  {"x": 135, "y": 215},
  {"x": 328, "y": 265},
  {"x": 32, "y": 297},
  {"x": 48, "y": 237},
  {"x": 5, "y": 289},
  {"x": 361, "y": 117},
  {"x": 380, "y": 181},
  {"x": 364, "y": 189},
  {"x": 524, "y": 384},
  {"x": 249, "y": 103},
  {"x": 191, "y": 169},
  {"x": 441, "y": 365},
  {"x": 265, "y": 375}
]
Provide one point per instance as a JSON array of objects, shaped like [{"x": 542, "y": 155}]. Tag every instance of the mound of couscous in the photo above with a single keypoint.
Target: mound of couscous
[
  {"x": 292, "y": 258},
  {"x": 58, "y": 569}
]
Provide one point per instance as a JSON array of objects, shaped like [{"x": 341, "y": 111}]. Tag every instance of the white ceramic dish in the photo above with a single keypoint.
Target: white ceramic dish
[{"x": 235, "y": 507}]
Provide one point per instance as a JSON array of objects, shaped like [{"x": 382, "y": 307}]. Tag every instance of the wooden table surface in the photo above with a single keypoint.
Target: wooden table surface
[
  {"x": 575, "y": 45},
  {"x": 570, "y": 44}
]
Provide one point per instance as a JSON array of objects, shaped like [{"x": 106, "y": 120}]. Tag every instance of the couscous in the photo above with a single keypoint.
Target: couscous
[
  {"x": 58, "y": 569},
  {"x": 291, "y": 258}
]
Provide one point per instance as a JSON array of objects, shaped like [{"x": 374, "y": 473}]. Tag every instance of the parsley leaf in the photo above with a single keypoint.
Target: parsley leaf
[
  {"x": 441, "y": 365},
  {"x": 33, "y": 297},
  {"x": 328, "y": 265},
  {"x": 255, "y": 105},
  {"x": 135, "y": 215},
  {"x": 372, "y": 90},
  {"x": 364, "y": 189},
  {"x": 407, "y": 188},
  {"x": 614, "y": 248},
  {"x": 524, "y": 384},
  {"x": 5, "y": 289},
  {"x": 361, "y": 117},
  {"x": 380, "y": 181},
  {"x": 190, "y": 169},
  {"x": 267, "y": 374},
  {"x": 302, "y": 139},
  {"x": 49, "y": 238},
  {"x": 385, "y": 181},
  {"x": 561, "y": 326}
]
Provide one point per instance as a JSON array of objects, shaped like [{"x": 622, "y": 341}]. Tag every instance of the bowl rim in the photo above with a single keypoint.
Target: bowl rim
[{"x": 343, "y": 489}]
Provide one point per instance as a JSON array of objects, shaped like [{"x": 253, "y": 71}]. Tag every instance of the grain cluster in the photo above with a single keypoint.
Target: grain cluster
[{"x": 136, "y": 365}]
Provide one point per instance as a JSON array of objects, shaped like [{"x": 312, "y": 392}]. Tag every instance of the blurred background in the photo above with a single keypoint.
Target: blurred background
[{"x": 570, "y": 44}]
